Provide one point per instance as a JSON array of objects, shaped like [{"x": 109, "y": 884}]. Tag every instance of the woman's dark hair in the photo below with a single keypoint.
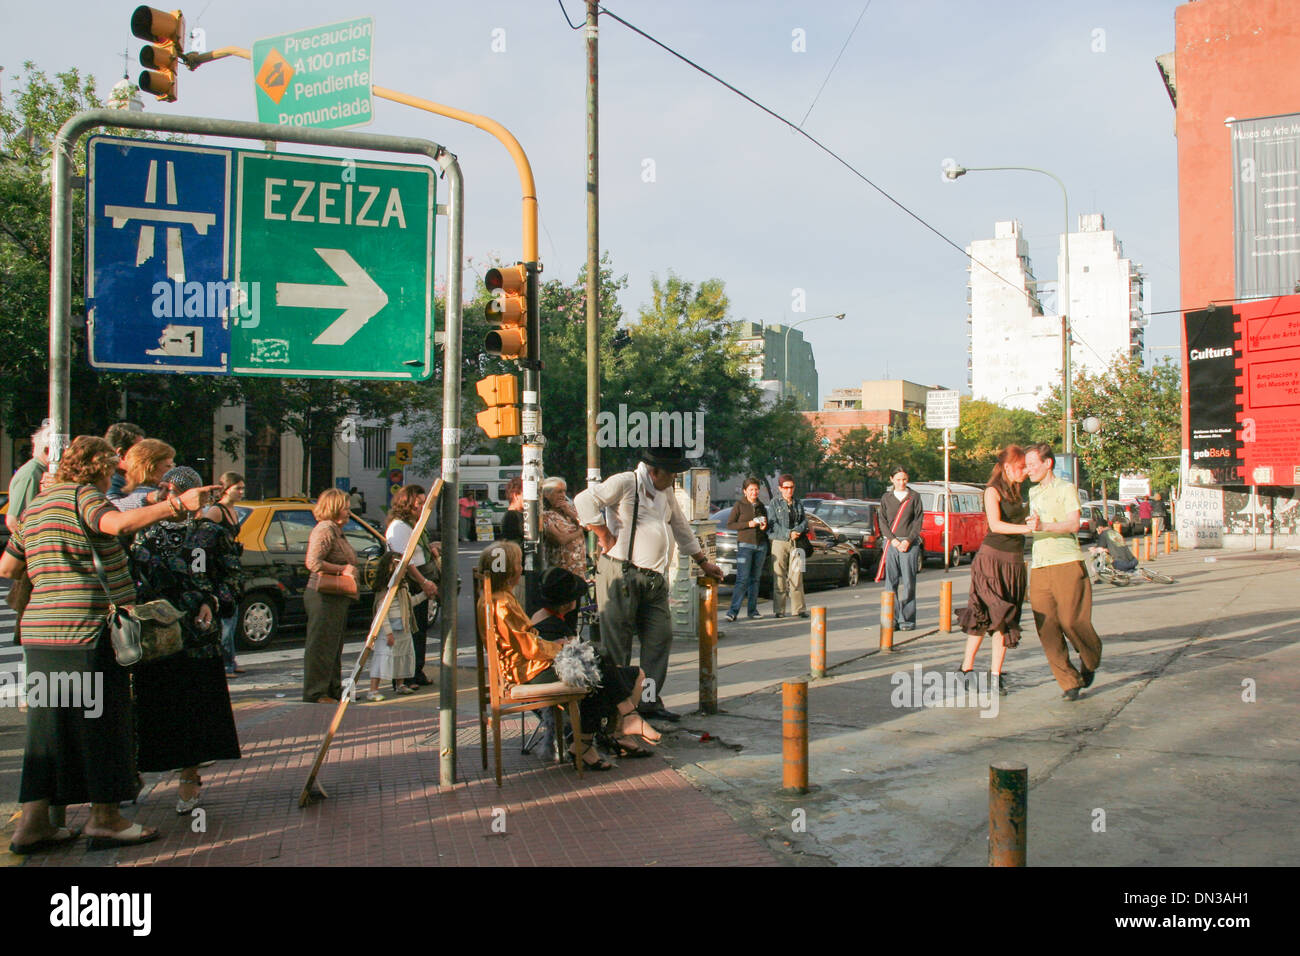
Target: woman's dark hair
[
  {"x": 751, "y": 480},
  {"x": 1007, "y": 489},
  {"x": 403, "y": 506}
]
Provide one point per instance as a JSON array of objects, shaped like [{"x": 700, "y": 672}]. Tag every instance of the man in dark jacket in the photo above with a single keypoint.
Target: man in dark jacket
[
  {"x": 900, "y": 517},
  {"x": 788, "y": 524}
]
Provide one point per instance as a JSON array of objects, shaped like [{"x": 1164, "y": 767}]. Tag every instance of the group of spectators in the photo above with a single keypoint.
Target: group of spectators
[{"x": 116, "y": 523}]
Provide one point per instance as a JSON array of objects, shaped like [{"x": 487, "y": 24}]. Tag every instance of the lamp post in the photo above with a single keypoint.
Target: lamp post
[
  {"x": 951, "y": 170},
  {"x": 785, "y": 361}
]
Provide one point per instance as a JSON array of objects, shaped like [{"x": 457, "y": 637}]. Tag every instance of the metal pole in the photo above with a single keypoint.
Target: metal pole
[
  {"x": 1064, "y": 309},
  {"x": 1008, "y": 813},
  {"x": 593, "y": 244},
  {"x": 947, "y": 518},
  {"x": 451, "y": 375},
  {"x": 1254, "y": 520},
  {"x": 794, "y": 736},
  {"x": 60, "y": 398},
  {"x": 532, "y": 436}
]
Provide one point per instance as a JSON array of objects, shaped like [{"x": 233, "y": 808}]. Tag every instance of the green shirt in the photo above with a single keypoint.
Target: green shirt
[
  {"x": 24, "y": 486},
  {"x": 1053, "y": 502}
]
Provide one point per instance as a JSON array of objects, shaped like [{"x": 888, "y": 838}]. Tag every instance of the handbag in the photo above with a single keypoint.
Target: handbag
[
  {"x": 330, "y": 583},
  {"x": 798, "y": 561},
  {"x": 143, "y": 632},
  {"x": 20, "y": 592}
]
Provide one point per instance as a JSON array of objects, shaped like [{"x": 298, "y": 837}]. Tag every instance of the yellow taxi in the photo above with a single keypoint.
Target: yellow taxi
[{"x": 274, "y": 534}]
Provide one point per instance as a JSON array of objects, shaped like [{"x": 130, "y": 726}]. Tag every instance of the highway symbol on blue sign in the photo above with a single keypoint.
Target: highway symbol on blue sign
[{"x": 158, "y": 295}]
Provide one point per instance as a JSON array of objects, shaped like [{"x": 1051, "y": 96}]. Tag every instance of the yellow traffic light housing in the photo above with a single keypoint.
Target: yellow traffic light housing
[
  {"x": 500, "y": 393},
  {"x": 507, "y": 311},
  {"x": 161, "y": 59}
]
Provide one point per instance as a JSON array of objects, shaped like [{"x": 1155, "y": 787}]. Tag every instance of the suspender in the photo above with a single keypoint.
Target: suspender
[{"x": 636, "y": 508}]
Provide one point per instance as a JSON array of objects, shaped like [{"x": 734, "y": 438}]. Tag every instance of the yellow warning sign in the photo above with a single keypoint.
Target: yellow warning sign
[
  {"x": 405, "y": 450},
  {"x": 274, "y": 75}
]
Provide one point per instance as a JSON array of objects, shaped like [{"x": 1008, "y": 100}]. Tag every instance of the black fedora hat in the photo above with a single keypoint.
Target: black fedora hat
[
  {"x": 560, "y": 586},
  {"x": 669, "y": 458}
]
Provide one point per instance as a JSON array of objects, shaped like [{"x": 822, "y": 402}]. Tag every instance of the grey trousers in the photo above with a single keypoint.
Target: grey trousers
[
  {"x": 632, "y": 604},
  {"x": 327, "y": 624}
]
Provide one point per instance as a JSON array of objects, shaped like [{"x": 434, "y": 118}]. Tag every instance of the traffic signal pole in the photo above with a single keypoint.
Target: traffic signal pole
[{"x": 593, "y": 244}]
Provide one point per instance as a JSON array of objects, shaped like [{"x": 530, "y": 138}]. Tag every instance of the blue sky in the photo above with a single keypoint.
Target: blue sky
[{"x": 1072, "y": 88}]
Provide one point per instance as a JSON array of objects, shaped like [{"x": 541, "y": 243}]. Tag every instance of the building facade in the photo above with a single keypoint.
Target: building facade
[{"x": 780, "y": 360}]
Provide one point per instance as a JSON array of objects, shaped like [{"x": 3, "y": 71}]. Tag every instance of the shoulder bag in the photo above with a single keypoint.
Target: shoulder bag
[{"x": 142, "y": 632}]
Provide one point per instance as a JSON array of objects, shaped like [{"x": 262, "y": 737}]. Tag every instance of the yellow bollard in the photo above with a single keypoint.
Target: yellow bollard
[
  {"x": 794, "y": 736},
  {"x": 708, "y": 636},
  {"x": 886, "y": 620},
  {"x": 817, "y": 665},
  {"x": 945, "y": 607}
]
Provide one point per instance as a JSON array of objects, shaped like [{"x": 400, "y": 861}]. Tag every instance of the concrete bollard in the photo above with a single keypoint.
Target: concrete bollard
[
  {"x": 1008, "y": 813},
  {"x": 945, "y": 607},
  {"x": 794, "y": 736},
  {"x": 886, "y": 620},
  {"x": 817, "y": 664},
  {"x": 1166, "y": 542},
  {"x": 708, "y": 635}
]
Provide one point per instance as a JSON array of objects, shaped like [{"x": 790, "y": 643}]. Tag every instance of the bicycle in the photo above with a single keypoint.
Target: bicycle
[{"x": 1110, "y": 575}]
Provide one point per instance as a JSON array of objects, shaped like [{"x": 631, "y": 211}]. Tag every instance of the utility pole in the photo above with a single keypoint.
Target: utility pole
[{"x": 593, "y": 246}]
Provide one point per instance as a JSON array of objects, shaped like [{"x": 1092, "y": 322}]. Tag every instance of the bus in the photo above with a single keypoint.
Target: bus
[{"x": 484, "y": 478}]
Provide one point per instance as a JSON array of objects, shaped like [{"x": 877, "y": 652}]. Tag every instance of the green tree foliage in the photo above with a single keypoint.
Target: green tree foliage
[
  {"x": 861, "y": 457},
  {"x": 786, "y": 441},
  {"x": 1140, "y": 410}
]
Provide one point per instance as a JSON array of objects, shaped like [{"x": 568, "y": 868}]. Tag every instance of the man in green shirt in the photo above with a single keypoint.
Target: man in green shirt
[
  {"x": 1059, "y": 590},
  {"x": 26, "y": 482}
]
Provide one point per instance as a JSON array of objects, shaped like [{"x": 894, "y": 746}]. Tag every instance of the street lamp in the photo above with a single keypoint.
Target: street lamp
[
  {"x": 785, "y": 361},
  {"x": 951, "y": 170}
]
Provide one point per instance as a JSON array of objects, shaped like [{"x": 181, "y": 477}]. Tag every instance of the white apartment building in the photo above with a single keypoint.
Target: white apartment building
[{"x": 1015, "y": 350}]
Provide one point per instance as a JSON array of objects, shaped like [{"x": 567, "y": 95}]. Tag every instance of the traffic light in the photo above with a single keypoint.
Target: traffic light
[
  {"x": 161, "y": 59},
  {"x": 508, "y": 311},
  {"x": 500, "y": 393}
]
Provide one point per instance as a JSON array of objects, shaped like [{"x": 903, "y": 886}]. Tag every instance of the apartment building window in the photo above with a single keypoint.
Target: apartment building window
[{"x": 374, "y": 455}]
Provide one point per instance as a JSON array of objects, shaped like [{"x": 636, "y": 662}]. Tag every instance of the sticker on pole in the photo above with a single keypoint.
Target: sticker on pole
[
  {"x": 318, "y": 77},
  {"x": 942, "y": 408}
]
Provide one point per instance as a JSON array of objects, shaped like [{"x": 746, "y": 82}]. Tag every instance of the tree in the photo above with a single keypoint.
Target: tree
[
  {"x": 787, "y": 442},
  {"x": 860, "y": 456},
  {"x": 984, "y": 431},
  {"x": 1140, "y": 411}
]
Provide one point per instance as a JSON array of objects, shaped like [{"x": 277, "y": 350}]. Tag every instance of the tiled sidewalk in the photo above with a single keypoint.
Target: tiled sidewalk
[{"x": 385, "y": 807}]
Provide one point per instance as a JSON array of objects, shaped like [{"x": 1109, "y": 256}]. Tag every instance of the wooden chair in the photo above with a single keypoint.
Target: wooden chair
[{"x": 518, "y": 698}]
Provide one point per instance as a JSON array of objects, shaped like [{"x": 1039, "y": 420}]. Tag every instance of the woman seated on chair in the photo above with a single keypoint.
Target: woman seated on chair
[
  {"x": 526, "y": 656},
  {"x": 611, "y": 707}
]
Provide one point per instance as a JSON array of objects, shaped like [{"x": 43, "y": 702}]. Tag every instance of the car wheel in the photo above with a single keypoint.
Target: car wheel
[
  {"x": 954, "y": 559},
  {"x": 258, "y": 620},
  {"x": 851, "y": 574}
]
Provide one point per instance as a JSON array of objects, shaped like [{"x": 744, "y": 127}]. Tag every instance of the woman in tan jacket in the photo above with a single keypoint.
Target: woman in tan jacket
[{"x": 327, "y": 614}]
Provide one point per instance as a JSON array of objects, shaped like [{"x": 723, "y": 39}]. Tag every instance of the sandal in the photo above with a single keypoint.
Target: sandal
[
  {"x": 45, "y": 843},
  {"x": 599, "y": 764},
  {"x": 404, "y": 689},
  {"x": 626, "y": 746},
  {"x": 644, "y": 726},
  {"x": 128, "y": 836}
]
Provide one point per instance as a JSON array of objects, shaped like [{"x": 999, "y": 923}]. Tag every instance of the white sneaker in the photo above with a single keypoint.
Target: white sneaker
[{"x": 374, "y": 696}]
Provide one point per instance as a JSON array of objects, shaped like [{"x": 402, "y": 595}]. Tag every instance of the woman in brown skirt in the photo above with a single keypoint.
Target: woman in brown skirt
[{"x": 998, "y": 579}]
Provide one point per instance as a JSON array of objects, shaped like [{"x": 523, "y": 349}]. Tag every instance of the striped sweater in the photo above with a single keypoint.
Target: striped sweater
[{"x": 68, "y": 605}]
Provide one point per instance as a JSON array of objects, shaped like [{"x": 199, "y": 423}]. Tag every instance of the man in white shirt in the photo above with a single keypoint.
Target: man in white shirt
[{"x": 633, "y": 515}]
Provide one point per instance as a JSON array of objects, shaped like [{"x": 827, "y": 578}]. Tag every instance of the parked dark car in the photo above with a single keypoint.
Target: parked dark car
[
  {"x": 833, "y": 562},
  {"x": 855, "y": 518},
  {"x": 274, "y": 534}
]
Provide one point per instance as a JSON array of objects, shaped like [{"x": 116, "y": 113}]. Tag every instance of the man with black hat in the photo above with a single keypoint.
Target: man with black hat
[{"x": 633, "y": 515}]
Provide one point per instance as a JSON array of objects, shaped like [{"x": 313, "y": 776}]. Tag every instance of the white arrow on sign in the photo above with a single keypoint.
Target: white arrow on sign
[{"x": 359, "y": 297}]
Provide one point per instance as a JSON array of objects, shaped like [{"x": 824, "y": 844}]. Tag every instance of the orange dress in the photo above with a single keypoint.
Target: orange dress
[{"x": 524, "y": 654}]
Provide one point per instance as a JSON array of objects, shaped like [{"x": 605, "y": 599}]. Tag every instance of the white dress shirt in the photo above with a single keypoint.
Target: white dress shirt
[{"x": 610, "y": 503}]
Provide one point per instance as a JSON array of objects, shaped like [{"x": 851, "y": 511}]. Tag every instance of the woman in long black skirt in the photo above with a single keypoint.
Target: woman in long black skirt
[
  {"x": 998, "y": 579},
  {"x": 183, "y": 712}
]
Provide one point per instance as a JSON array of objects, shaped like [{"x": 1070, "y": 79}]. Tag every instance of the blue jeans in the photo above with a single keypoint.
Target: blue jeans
[
  {"x": 900, "y": 577},
  {"x": 749, "y": 569}
]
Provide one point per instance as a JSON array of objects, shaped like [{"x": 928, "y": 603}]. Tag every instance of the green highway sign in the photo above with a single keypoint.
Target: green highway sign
[
  {"x": 339, "y": 254},
  {"x": 318, "y": 77}
]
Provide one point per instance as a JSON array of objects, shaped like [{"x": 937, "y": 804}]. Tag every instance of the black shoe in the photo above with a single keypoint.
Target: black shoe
[
  {"x": 660, "y": 713},
  {"x": 731, "y": 617},
  {"x": 755, "y": 616},
  {"x": 907, "y": 627},
  {"x": 1001, "y": 681},
  {"x": 1071, "y": 694},
  {"x": 804, "y": 614},
  {"x": 779, "y": 614},
  {"x": 1087, "y": 676}
]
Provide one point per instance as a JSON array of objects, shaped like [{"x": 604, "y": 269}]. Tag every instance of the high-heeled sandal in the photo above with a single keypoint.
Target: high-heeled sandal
[
  {"x": 626, "y": 746},
  {"x": 599, "y": 765},
  {"x": 640, "y": 733}
]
